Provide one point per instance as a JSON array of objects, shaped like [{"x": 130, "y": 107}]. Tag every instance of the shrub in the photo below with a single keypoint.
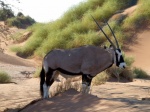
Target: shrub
[
  {"x": 4, "y": 77},
  {"x": 37, "y": 72},
  {"x": 101, "y": 78},
  {"x": 139, "y": 73},
  {"x": 5, "y": 14},
  {"x": 125, "y": 74},
  {"x": 20, "y": 21},
  {"x": 20, "y": 14}
]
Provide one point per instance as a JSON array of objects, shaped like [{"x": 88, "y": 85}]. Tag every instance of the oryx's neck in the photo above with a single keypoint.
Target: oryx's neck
[
  {"x": 114, "y": 58},
  {"x": 112, "y": 54}
]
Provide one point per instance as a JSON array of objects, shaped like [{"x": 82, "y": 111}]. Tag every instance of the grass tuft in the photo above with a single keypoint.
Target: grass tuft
[
  {"x": 139, "y": 73},
  {"x": 101, "y": 78},
  {"x": 4, "y": 77},
  {"x": 63, "y": 86}
]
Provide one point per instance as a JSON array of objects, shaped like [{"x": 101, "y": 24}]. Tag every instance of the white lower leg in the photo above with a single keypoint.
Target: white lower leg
[
  {"x": 87, "y": 89},
  {"x": 84, "y": 86},
  {"x": 45, "y": 90}
]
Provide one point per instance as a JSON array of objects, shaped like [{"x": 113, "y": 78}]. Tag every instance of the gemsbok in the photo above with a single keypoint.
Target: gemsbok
[{"x": 87, "y": 61}]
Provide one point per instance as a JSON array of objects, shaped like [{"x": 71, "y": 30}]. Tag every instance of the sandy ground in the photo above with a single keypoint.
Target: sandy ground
[{"x": 109, "y": 97}]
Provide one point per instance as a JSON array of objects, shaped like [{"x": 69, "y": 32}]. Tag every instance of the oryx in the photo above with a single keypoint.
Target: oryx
[{"x": 87, "y": 61}]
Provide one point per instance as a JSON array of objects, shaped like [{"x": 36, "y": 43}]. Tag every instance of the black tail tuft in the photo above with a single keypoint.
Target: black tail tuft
[{"x": 42, "y": 80}]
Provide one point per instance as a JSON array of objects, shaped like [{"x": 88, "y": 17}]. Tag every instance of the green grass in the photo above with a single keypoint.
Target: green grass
[
  {"x": 139, "y": 73},
  {"x": 4, "y": 77},
  {"x": 139, "y": 17},
  {"x": 73, "y": 28},
  {"x": 37, "y": 72},
  {"x": 33, "y": 42}
]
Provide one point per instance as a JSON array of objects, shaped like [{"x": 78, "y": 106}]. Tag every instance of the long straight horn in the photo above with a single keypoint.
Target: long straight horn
[
  {"x": 112, "y": 33},
  {"x": 104, "y": 32}
]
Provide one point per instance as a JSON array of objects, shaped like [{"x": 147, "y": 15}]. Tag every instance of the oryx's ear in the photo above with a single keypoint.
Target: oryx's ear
[
  {"x": 111, "y": 47},
  {"x": 105, "y": 47}
]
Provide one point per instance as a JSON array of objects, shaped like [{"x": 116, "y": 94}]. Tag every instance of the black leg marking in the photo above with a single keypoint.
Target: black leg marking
[
  {"x": 42, "y": 81},
  {"x": 49, "y": 77},
  {"x": 87, "y": 79}
]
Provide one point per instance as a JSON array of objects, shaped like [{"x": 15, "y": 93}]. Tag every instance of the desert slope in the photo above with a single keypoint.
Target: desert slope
[
  {"x": 106, "y": 98},
  {"x": 140, "y": 50}
]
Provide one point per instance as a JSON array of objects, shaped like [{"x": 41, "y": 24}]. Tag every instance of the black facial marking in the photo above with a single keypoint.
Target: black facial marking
[
  {"x": 117, "y": 61},
  {"x": 121, "y": 58}
]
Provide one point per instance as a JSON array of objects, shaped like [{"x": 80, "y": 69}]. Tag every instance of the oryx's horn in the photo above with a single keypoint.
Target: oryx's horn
[
  {"x": 112, "y": 33},
  {"x": 104, "y": 33}
]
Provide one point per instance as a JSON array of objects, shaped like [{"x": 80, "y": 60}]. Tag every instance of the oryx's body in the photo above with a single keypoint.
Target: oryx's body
[
  {"x": 77, "y": 61},
  {"x": 87, "y": 61}
]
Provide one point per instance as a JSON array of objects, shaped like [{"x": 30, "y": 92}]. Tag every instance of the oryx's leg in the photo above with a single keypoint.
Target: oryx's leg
[
  {"x": 86, "y": 83},
  {"x": 50, "y": 78}
]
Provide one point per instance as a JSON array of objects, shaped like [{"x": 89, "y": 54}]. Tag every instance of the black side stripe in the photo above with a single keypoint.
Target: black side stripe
[{"x": 67, "y": 72}]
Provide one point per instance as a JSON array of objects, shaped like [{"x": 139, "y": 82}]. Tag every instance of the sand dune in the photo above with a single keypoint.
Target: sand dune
[{"x": 140, "y": 50}]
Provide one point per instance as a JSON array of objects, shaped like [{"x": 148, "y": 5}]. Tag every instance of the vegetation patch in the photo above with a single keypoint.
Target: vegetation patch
[
  {"x": 100, "y": 78},
  {"x": 63, "y": 86},
  {"x": 20, "y": 21},
  {"x": 4, "y": 77},
  {"x": 139, "y": 73},
  {"x": 75, "y": 28},
  {"x": 37, "y": 72}
]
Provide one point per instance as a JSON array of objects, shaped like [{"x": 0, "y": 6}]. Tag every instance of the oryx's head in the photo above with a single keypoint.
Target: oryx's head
[{"x": 118, "y": 58}]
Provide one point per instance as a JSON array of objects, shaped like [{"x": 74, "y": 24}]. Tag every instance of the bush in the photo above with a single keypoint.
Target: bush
[
  {"x": 101, "y": 78},
  {"x": 20, "y": 14},
  {"x": 4, "y": 77},
  {"x": 20, "y": 21},
  {"x": 37, "y": 72},
  {"x": 5, "y": 14},
  {"x": 139, "y": 73},
  {"x": 125, "y": 74}
]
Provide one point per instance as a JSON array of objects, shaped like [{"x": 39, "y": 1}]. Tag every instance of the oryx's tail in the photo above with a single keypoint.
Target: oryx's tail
[{"x": 42, "y": 80}]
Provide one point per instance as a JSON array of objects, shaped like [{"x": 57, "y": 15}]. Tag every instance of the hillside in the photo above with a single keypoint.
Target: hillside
[{"x": 76, "y": 28}]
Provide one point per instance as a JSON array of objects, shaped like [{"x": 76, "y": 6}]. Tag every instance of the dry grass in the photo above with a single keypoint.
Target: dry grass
[
  {"x": 63, "y": 86},
  {"x": 99, "y": 79},
  {"x": 120, "y": 74}
]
